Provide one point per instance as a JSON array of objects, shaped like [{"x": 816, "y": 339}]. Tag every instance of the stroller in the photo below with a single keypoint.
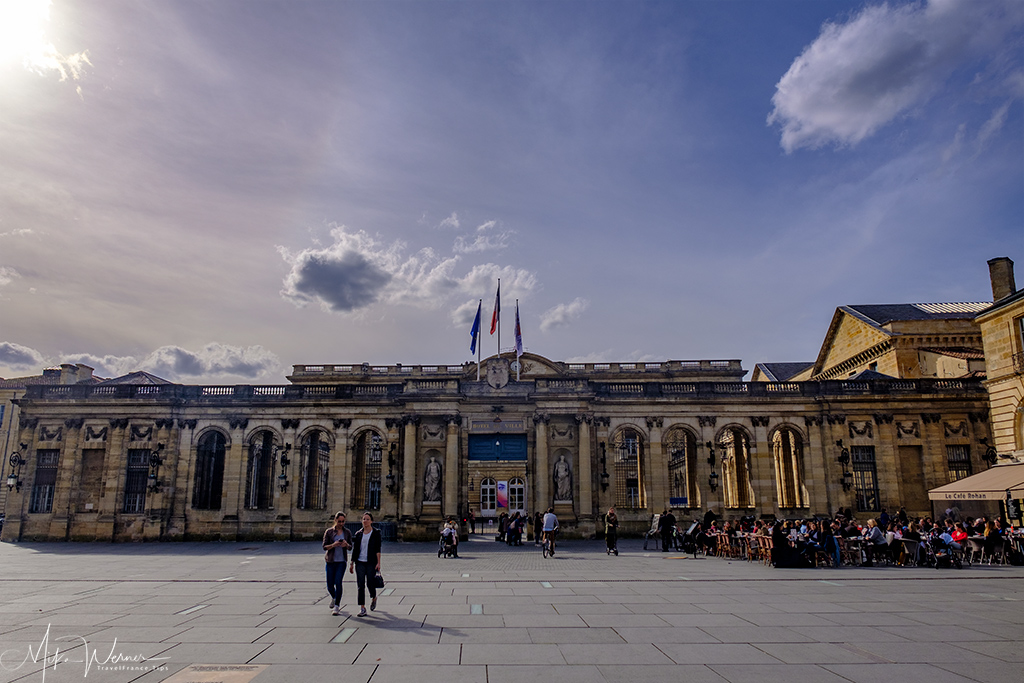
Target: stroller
[
  {"x": 446, "y": 544},
  {"x": 944, "y": 555},
  {"x": 688, "y": 542}
]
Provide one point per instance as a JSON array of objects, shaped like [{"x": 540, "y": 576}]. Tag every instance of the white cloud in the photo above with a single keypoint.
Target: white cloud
[
  {"x": 7, "y": 275},
  {"x": 563, "y": 314},
  {"x": 992, "y": 126},
  {"x": 450, "y": 222},
  {"x": 18, "y": 356},
  {"x": 464, "y": 314},
  {"x": 357, "y": 271},
  {"x": 20, "y": 232},
  {"x": 213, "y": 362},
  {"x": 481, "y": 243},
  {"x": 858, "y": 76}
]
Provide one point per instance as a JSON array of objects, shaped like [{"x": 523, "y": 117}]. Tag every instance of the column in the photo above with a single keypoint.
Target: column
[
  {"x": 542, "y": 469},
  {"x": 340, "y": 469},
  {"x": 409, "y": 473},
  {"x": 451, "y": 467},
  {"x": 656, "y": 468},
  {"x": 68, "y": 476},
  {"x": 234, "y": 473},
  {"x": 761, "y": 480},
  {"x": 178, "y": 451},
  {"x": 585, "y": 479}
]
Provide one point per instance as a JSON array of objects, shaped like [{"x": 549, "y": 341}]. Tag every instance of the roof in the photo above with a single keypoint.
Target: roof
[
  {"x": 136, "y": 378},
  {"x": 1003, "y": 303},
  {"x": 992, "y": 484},
  {"x": 961, "y": 352},
  {"x": 781, "y": 372},
  {"x": 865, "y": 375},
  {"x": 883, "y": 314}
]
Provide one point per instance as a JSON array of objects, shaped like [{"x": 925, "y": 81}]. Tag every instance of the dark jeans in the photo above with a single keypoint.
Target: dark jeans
[
  {"x": 611, "y": 537},
  {"x": 364, "y": 570},
  {"x": 666, "y": 540},
  {"x": 335, "y": 573}
]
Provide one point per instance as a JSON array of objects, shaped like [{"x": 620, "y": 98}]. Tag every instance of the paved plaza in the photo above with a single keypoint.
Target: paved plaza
[{"x": 496, "y": 615}]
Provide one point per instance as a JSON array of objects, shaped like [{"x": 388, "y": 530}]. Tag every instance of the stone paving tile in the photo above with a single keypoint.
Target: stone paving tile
[
  {"x": 987, "y": 671},
  {"x": 1007, "y": 651},
  {"x": 843, "y": 634},
  {"x": 425, "y": 673},
  {"x": 306, "y": 653},
  {"x": 525, "y": 608},
  {"x": 495, "y": 635},
  {"x": 575, "y": 635},
  {"x": 658, "y": 673},
  {"x": 700, "y": 653},
  {"x": 320, "y": 634},
  {"x": 441, "y": 654},
  {"x": 904, "y": 673},
  {"x": 550, "y": 620},
  {"x": 762, "y": 673},
  {"x": 202, "y": 634},
  {"x": 873, "y": 619},
  {"x": 929, "y": 653},
  {"x": 624, "y": 620},
  {"x": 369, "y": 634},
  {"x": 290, "y": 673},
  {"x": 819, "y": 653},
  {"x": 562, "y": 674},
  {"x": 756, "y": 634},
  {"x": 704, "y": 619},
  {"x": 788, "y": 619},
  {"x": 947, "y": 632},
  {"x": 623, "y": 653},
  {"x": 465, "y": 621},
  {"x": 497, "y": 653},
  {"x": 665, "y": 635}
]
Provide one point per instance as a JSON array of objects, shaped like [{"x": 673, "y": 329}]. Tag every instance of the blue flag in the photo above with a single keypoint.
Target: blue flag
[{"x": 475, "y": 332}]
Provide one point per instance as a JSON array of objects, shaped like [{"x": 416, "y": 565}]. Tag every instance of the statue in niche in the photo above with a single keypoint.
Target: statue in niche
[
  {"x": 432, "y": 481},
  {"x": 563, "y": 479}
]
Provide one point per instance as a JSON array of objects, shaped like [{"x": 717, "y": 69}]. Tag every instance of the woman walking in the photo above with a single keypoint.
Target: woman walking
[
  {"x": 337, "y": 541},
  {"x": 366, "y": 562},
  {"x": 611, "y": 531}
]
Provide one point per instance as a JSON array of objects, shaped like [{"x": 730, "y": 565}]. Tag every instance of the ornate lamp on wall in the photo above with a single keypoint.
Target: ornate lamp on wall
[
  {"x": 604, "y": 468},
  {"x": 844, "y": 460},
  {"x": 392, "y": 480},
  {"x": 14, "y": 478},
  {"x": 282, "y": 479},
  {"x": 155, "y": 462},
  {"x": 990, "y": 456},
  {"x": 713, "y": 477}
]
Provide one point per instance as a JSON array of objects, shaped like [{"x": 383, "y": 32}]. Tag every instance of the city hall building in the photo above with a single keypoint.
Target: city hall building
[{"x": 141, "y": 458}]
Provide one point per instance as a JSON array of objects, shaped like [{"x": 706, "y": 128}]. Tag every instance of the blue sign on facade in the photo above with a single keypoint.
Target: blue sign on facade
[{"x": 497, "y": 447}]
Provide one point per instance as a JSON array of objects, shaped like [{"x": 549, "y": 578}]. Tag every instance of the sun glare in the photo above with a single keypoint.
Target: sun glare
[{"x": 23, "y": 40}]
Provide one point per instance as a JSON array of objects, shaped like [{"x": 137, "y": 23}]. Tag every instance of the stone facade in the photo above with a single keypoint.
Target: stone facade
[
  {"x": 1002, "y": 329},
  {"x": 122, "y": 460}
]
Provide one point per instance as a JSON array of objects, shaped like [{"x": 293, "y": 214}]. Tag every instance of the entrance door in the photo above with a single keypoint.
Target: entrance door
[{"x": 516, "y": 496}]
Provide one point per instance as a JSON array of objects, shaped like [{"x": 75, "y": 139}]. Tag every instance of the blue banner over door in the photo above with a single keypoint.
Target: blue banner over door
[{"x": 483, "y": 447}]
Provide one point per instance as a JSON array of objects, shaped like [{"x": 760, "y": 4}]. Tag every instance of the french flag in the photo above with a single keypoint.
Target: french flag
[{"x": 497, "y": 309}]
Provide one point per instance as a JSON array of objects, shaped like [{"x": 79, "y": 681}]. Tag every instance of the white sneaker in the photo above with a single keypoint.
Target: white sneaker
[
  {"x": 362, "y": 612},
  {"x": 336, "y": 612},
  {"x": 332, "y": 605}
]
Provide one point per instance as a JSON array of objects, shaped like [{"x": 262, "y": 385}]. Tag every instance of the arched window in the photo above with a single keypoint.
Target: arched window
[
  {"x": 628, "y": 450},
  {"x": 209, "y": 478},
  {"x": 369, "y": 454},
  {"x": 787, "y": 448},
  {"x": 316, "y": 456},
  {"x": 516, "y": 495},
  {"x": 488, "y": 495},
  {"x": 735, "y": 446},
  {"x": 259, "y": 478},
  {"x": 681, "y": 446}
]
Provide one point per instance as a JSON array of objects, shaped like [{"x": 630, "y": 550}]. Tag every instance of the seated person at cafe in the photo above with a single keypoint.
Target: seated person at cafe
[{"x": 874, "y": 543}]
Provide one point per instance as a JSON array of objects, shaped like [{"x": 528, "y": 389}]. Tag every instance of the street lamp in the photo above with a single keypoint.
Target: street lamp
[
  {"x": 844, "y": 460},
  {"x": 14, "y": 478},
  {"x": 990, "y": 455},
  {"x": 604, "y": 468},
  {"x": 155, "y": 461}
]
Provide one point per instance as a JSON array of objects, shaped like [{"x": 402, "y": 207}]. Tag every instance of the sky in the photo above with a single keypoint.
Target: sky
[{"x": 214, "y": 191}]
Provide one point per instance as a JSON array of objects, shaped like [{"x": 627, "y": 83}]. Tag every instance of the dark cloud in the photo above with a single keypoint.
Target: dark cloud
[
  {"x": 344, "y": 283},
  {"x": 18, "y": 356}
]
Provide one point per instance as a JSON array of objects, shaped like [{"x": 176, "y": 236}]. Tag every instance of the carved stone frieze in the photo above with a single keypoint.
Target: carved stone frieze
[
  {"x": 93, "y": 434},
  {"x": 908, "y": 430},
  {"x": 50, "y": 433},
  {"x": 861, "y": 429},
  {"x": 563, "y": 433},
  {"x": 74, "y": 422},
  {"x": 707, "y": 420},
  {"x": 812, "y": 420},
  {"x": 342, "y": 423},
  {"x": 164, "y": 424},
  {"x": 118, "y": 422},
  {"x": 836, "y": 419},
  {"x": 141, "y": 433},
  {"x": 653, "y": 422},
  {"x": 187, "y": 424},
  {"x": 28, "y": 422},
  {"x": 288, "y": 423},
  {"x": 955, "y": 429},
  {"x": 760, "y": 420},
  {"x": 980, "y": 416},
  {"x": 931, "y": 418},
  {"x": 432, "y": 432},
  {"x": 883, "y": 418}
]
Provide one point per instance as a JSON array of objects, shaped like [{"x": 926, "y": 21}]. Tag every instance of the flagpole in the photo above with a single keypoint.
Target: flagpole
[
  {"x": 518, "y": 364},
  {"x": 480, "y": 344},
  {"x": 498, "y": 304}
]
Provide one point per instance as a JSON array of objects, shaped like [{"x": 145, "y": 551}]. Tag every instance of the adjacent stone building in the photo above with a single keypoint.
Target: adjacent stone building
[{"x": 1002, "y": 329}]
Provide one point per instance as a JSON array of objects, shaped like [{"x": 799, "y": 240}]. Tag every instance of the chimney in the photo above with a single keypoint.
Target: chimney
[{"x": 1000, "y": 271}]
